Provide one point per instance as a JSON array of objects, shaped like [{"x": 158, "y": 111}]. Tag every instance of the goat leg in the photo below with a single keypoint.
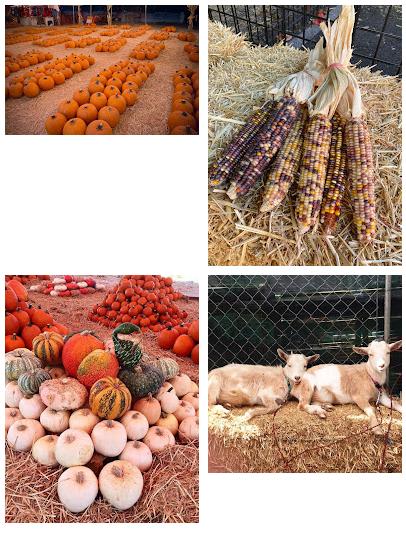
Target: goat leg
[
  {"x": 370, "y": 412},
  {"x": 385, "y": 400}
]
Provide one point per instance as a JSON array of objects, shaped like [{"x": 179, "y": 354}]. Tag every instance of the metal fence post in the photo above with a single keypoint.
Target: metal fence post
[{"x": 387, "y": 310}]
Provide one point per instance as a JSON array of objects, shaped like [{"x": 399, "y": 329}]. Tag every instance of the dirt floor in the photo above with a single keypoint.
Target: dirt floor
[
  {"x": 26, "y": 116},
  {"x": 73, "y": 312}
]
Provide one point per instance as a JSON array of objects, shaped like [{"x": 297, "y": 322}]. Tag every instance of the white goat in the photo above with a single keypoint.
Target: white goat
[
  {"x": 265, "y": 388},
  {"x": 328, "y": 384}
]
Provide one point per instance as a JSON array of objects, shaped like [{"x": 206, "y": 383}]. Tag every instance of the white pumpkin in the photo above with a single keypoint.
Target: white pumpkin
[
  {"x": 23, "y": 434},
  {"x": 74, "y": 447},
  {"x": 193, "y": 399},
  {"x": 54, "y": 293},
  {"x": 31, "y": 406},
  {"x": 63, "y": 394},
  {"x": 169, "y": 421},
  {"x": 82, "y": 284},
  {"x": 60, "y": 288},
  {"x": 121, "y": 484},
  {"x": 83, "y": 419},
  {"x": 77, "y": 488},
  {"x": 158, "y": 438},
  {"x": 54, "y": 421},
  {"x": 13, "y": 394},
  {"x": 43, "y": 450},
  {"x": 182, "y": 384},
  {"x": 109, "y": 438},
  {"x": 184, "y": 410},
  {"x": 58, "y": 281},
  {"x": 12, "y": 415},
  {"x": 137, "y": 453},
  {"x": 189, "y": 429},
  {"x": 136, "y": 425}
]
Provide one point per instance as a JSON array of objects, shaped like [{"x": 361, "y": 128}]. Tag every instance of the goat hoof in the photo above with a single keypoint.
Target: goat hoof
[{"x": 327, "y": 407}]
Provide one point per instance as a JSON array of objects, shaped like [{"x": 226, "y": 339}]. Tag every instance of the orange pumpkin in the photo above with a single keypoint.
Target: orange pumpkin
[
  {"x": 40, "y": 317},
  {"x": 19, "y": 289},
  {"x": 12, "y": 326},
  {"x": 183, "y": 130},
  {"x": 130, "y": 96},
  {"x": 167, "y": 338},
  {"x": 76, "y": 348},
  {"x": 183, "y": 345},
  {"x": 29, "y": 332},
  {"x": 16, "y": 90},
  {"x": 195, "y": 354},
  {"x": 47, "y": 347},
  {"x": 75, "y": 126},
  {"x": 99, "y": 100},
  {"x": 110, "y": 115},
  {"x": 183, "y": 105},
  {"x": 58, "y": 77},
  {"x": 87, "y": 112},
  {"x": 99, "y": 127},
  {"x": 68, "y": 108},
  {"x": 118, "y": 102},
  {"x": 193, "y": 331},
  {"x": 22, "y": 317},
  {"x": 13, "y": 342},
  {"x": 82, "y": 96},
  {"x": 46, "y": 83},
  {"x": 96, "y": 86},
  {"x": 111, "y": 91},
  {"x": 115, "y": 81},
  {"x": 181, "y": 118},
  {"x": 11, "y": 299},
  {"x": 54, "y": 124},
  {"x": 31, "y": 89}
]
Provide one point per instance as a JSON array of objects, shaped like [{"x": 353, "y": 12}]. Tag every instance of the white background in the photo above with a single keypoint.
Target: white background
[{"x": 122, "y": 204}]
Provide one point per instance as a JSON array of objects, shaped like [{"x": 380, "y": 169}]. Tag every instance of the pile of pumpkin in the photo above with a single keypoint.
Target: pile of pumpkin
[
  {"x": 22, "y": 37},
  {"x": 96, "y": 416},
  {"x": 184, "y": 116},
  {"x": 192, "y": 50},
  {"x": 147, "y": 50},
  {"x": 68, "y": 286},
  {"x": 24, "y": 61},
  {"x": 168, "y": 29},
  {"x": 33, "y": 81},
  {"x": 96, "y": 110},
  {"x": 50, "y": 42},
  {"x": 110, "y": 32},
  {"x": 182, "y": 339},
  {"x": 145, "y": 301},
  {"x": 111, "y": 45},
  {"x": 23, "y": 322},
  {"x": 82, "y": 43},
  {"x": 160, "y": 36},
  {"x": 140, "y": 31},
  {"x": 27, "y": 279},
  {"x": 187, "y": 36}
]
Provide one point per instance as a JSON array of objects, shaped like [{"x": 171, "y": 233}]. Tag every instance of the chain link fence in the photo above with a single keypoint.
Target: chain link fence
[
  {"x": 251, "y": 316},
  {"x": 377, "y": 37}
]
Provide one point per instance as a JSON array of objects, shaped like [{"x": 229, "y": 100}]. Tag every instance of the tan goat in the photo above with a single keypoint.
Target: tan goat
[
  {"x": 264, "y": 388},
  {"x": 329, "y": 384}
]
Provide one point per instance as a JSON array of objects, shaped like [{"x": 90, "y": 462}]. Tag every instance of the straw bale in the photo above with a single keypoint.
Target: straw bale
[
  {"x": 240, "y": 77},
  {"x": 293, "y": 441},
  {"x": 170, "y": 493}
]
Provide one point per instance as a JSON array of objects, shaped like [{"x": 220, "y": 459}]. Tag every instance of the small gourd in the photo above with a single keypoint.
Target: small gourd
[
  {"x": 19, "y": 361},
  {"x": 30, "y": 381}
]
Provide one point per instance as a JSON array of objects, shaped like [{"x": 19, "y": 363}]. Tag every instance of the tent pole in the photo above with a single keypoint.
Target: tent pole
[
  {"x": 145, "y": 14},
  {"x": 73, "y": 14}
]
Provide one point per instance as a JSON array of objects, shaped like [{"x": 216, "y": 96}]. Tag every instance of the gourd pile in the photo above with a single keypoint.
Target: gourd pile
[
  {"x": 184, "y": 116},
  {"x": 96, "y": 110},
  {"x": 68, "y": 286},
  {"x": 145, "y": 301},
  {"x": 313, "y": 134},
  {"x": 182, "y": 339},
  {"x": 23, "y": 322},
  {"x": 32, "y": 82},
  {"x": 103, "y": 416},
  {"x": 17, "y": 62}
]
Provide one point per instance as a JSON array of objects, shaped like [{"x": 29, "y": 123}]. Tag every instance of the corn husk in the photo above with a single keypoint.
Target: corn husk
[{"x": 338, "y": 55}]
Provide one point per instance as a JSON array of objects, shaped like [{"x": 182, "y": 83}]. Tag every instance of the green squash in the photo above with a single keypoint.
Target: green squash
[
  {"x": 128, "y": 352},
  {"x": 168, "y": 366},
  {"x": 30, "y": 381},
  {"x": 145, "y": 379},
  {"x": 19, "y": 361}
]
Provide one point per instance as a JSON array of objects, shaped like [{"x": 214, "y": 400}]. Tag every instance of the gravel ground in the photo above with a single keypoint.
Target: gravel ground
[
  {"x": 25, "y": 116},
  {"x": 72, "y": 312}
]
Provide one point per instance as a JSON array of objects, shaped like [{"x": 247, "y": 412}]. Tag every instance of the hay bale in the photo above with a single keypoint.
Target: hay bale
[
  {"x": 170, "y": 494},
  {"x": 293, "y": 441},
  {"x": 240, "y": 76}
]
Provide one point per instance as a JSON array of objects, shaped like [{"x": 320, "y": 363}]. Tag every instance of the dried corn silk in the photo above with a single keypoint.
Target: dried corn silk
[
  {"x": 286, "y": 166},
  {"x": 335, "y": 178}
]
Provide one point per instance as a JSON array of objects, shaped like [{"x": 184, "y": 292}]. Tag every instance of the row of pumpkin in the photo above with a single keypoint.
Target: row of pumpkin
[{"x": 184, "y": 116}]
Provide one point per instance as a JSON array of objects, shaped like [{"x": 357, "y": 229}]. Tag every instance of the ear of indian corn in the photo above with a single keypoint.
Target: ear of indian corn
[
  {"x": 286, "y": 166},
  {"x": 335, "y": 178},
  {"x": 316, "y": 146},
  {"x": 222, "y": 169},
  {"x": 269, "y": 141},
  {"x": 361, "y": 177}
]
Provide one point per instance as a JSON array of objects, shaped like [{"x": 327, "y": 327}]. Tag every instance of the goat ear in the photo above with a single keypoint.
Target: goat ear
[
  {"x": 361, "y": 350},
  {"x": 282, "y": 355},
  {"x": 312, "y": 358},
  {"x": 395, "y": 346}
]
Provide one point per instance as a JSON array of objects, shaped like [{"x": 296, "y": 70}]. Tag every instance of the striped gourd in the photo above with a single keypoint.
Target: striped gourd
[
  {"x": 316, "y": 147},
  {"x": 19, "y": 361},
  {"x": 48, "y": 346},
  {"x": 30, "y": 381},
  {"x": 221, "y": 171},
  {"x": 361, "y": 177},
  {"x": 168, "y": 366},
  {"x": 335, "y": 178},
  {"x": 269, "y": 141},
  {"x": 146, "y": 379},
  {"x": 127, "y": 351},
  {"x": 286, "y": 166},
  {"x": 109, "y": 398}
]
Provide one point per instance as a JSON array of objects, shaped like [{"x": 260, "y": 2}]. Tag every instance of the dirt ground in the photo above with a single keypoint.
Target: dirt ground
[
  {"x": 73, "y": 312},
  {"x": 26, "y": 116}
]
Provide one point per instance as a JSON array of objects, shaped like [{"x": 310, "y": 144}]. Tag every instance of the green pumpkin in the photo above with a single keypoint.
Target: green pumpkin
[
  {"x": 30, "y": 381},
  {"x": 168, "y": 366},
  {"x": 19, "y": 361},
  {"x": 146, "y": 379},
  {"x": 128, "y": 353}
]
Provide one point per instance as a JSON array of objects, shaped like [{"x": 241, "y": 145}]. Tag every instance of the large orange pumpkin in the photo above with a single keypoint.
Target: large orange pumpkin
[
  {"x": 55, "y": 123},
  {"x": 68, "y": 108},
  {"x": 181, "y": 118},
  {"x": 41, "y": 318},
  {"x": 74, "y": 126},
  {"x": 22, "y": 317},
  {"x": 11, "y": 299},
  {"x": 19, "y": 289},
  {"x": 193, "y": 331},
  {"x": 183, "y": 345},
  {"x": 12, "y": 325},
  {"x": 30, "y": 332},
  {"x": 167, "y": 338},
  {"x": 99, "y": 127},
  {"x": 13, "y": 342},
  {"x": 110, "y": 115},
  {"x": 76, "y": 348}
]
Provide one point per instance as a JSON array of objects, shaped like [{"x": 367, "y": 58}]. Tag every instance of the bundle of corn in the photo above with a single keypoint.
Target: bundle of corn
[{"x": 293, "y": 441}]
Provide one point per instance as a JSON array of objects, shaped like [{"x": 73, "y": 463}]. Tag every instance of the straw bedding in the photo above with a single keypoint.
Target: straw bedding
[
  {"x": 170, "y": 492},
  {"x": 149, "y": 116},
  {"x": 293, "y": 441},
  {"x": 240, "y": 76}
]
